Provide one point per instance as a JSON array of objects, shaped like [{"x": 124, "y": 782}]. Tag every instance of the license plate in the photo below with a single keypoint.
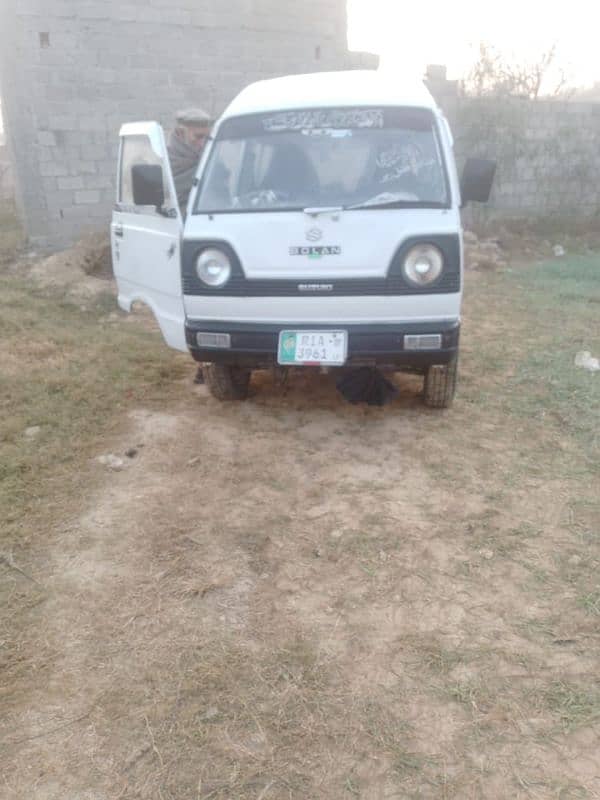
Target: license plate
[{"x": 313, "y": 347}]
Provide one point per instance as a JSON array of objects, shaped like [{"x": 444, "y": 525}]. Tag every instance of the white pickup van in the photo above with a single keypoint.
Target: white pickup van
[{"x": 323, "y": 230}]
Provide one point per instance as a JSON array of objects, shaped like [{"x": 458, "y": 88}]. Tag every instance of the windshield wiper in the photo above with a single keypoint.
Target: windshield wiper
[
  {"x": 314, "y": 212},
  {"x": 383, "y": 204},
  {"x": 396, "y": 204}
]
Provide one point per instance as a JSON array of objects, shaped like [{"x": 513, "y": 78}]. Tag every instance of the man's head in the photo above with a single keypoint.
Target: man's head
[{"x": 193, "y": 127}]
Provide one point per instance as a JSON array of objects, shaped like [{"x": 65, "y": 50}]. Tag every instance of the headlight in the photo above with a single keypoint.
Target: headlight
[
  {"x": 423, "y": 264},
  {"x": 213, "y": 267}
]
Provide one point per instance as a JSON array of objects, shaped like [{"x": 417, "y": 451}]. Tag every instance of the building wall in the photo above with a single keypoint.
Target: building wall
[{"x": 72, "y": 71}]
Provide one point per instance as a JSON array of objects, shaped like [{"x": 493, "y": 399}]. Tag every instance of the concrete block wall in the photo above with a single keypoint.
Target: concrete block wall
[
  {"x": 548, "y": 155},
  {"x": 72, "y": 71}
]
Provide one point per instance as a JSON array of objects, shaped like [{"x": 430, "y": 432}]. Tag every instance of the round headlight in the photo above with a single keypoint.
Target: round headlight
[
  {"x": 423, "y": 264},
  {"x": 213, "y": 267}
]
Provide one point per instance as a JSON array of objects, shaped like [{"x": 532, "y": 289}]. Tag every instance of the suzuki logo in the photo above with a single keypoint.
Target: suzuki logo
[
  {"x": 314, "y": 234},
  {"x": 315, "y": 287}
]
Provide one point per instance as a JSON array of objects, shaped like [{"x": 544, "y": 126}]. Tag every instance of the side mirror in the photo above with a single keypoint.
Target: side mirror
[
  {"x": 477, "y": 180},
  {"x": 147, "y": 183}
]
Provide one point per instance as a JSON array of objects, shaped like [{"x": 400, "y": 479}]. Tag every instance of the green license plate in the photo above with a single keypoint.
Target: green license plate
[{"x": 313, "y": 348}]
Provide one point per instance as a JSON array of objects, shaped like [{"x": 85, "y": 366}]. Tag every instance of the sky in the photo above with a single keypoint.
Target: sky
[{"x": 433, "y": 32}]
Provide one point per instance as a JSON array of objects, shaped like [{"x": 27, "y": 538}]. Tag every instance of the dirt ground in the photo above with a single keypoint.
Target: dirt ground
[{"x": 296, "y": 598}]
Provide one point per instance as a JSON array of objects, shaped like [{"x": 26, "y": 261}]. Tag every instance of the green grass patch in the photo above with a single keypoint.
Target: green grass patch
[
  {"x": 590, "y": 602},
  {"x": 574, "y": 706},
  {"x": 564, "y": 306},
  {"x": 544, "y": 315}
]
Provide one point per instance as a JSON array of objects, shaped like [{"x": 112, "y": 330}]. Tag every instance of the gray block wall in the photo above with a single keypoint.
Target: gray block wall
[
  {"x": 72, "y": 71},
  {"x": 548, "y": 155}
]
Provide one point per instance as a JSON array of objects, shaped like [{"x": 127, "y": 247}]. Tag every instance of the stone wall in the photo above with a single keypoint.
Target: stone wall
[
  {"x": 548, "y": 154},
  {"x": 73, "y": 71}
]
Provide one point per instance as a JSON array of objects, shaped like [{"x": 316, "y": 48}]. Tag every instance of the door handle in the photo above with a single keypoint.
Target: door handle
[{"x": 119, "y": 231}]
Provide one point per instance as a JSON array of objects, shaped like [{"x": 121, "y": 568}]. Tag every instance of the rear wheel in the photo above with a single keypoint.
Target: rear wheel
[
  {"x": 225, "y": 382},
  {"x": 440, "y": 384}
]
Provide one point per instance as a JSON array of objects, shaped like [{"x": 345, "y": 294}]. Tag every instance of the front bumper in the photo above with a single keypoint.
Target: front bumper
[{"x": 255, "y": 345}]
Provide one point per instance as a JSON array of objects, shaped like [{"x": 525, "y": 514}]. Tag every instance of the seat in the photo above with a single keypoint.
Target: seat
[{"x": 291, "y": 172}]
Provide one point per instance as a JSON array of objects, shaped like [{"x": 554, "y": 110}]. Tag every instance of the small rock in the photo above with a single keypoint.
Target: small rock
[
  {"x": 382, "y": 555},
  {"x": 487, "y": 554},
  {"x": 32, "y": 432},
  {"x": 112, "y": 462},
  {"x": 469, "y": 237},
  {"x": 558, "y": 250},
  {"x": 132, "y": 452},
  {"x": 336, "y": 534},
  {"x": 193, "y": 461},
  {"x": 486, "y": 254},
  {"x": 210, "y": 713},
  {"x": 317, "y": 552},
  {"x": 489, "y": 246},
  {"x": 317, "y": 511},
  {"x": 575, "y": 561},
  {"x": 585, "y": 360}
]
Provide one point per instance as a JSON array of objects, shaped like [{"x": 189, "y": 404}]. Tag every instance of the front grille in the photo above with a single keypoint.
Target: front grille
[{"x": 341, "y": 288}]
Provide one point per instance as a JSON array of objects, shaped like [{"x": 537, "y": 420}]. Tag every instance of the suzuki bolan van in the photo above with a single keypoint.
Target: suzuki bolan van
[{"x": 323, "y": 230}]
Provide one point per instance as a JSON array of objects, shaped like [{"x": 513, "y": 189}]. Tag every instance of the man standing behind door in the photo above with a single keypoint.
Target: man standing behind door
[{"x": 185, "y": 147}]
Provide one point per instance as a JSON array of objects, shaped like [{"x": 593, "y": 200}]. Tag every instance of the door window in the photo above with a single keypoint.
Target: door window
[{"x": 137, "y": 149}]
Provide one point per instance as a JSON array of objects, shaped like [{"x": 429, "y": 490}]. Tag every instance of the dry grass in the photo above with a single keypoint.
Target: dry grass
[
  {"x": 69, "y": 371},
  {"x": 11, "y": 235},
  {"x": 258, "y": 609},
  {"x": 574, "y": 706}
]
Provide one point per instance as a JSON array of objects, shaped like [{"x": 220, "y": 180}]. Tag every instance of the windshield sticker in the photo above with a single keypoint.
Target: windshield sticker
[
  {"x": 397, "y": 154},
  {"x": 332, "y": 133},
  {"x": 324, "y": 118},
  {"x": 401, "y": 159}
]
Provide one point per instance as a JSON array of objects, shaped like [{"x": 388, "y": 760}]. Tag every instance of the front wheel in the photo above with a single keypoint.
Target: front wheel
[
  {"x": 225, "y": 382},
  {"x": 440, "y": 384}
]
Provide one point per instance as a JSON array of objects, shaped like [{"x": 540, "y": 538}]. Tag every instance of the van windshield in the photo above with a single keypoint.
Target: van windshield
[{"x": 348, "y": 158}]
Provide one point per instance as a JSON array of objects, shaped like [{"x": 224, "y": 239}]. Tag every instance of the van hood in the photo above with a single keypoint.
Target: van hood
[{"x": 358, "y": 243}]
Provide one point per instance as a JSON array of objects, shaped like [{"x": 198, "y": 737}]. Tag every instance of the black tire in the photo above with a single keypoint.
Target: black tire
[
  {"x": 225, "y": 382},
  {"x": 440, "y": 385}
]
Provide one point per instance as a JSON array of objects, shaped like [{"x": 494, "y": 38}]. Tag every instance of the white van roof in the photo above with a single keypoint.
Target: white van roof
[{"x": 330, "y": 89}]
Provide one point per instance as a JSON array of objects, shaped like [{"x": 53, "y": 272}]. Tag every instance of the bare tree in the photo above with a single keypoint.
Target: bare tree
[{"x": 494, "y": 76}]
